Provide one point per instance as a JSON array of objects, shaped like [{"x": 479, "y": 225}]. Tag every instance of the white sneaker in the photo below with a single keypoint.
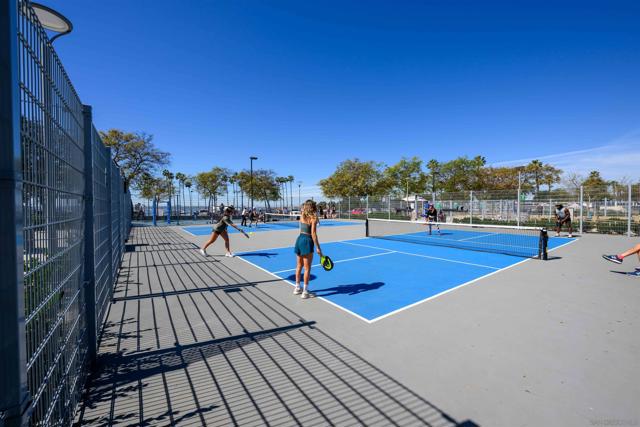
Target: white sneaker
[
  {"x": 229, "y": 254},
  {"x": 203, "y": 252},
  {"x": 305, "y": 295},
  {"x": 570, "y": 235},
  {"x": 297, "y": 290},
  {"x": 557, "y": 234}
]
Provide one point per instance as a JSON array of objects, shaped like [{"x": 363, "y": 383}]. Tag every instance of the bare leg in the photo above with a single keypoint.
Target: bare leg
[
  {"x": 633, "y": 250},
  {"x": 306, "y": 260},
  {"x": 213, "y": 238},
  {"x": 225, "y": 237},
  {"x": 298, "y": 269}
]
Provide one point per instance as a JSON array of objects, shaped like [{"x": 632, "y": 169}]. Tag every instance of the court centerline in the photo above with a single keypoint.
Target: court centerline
[{"x": 425, "y": 256}]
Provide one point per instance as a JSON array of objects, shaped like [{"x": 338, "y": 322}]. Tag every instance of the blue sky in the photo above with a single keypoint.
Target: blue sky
[{"x": 304, "y": 85}]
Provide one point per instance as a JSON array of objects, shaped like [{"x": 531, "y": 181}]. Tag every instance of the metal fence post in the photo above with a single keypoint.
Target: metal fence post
[
  {"x": 112, "y": 273},
  {"x": 471, "y": 207},
  {"x": 14, "y": 396},
  {"x": 366, "y": 215},
  {"x": 88, "y": 275},
  {"x": 389, "y": 202},
  {"x": 629, "y": 212},
  {"x": 518, "y": 203},
  {"x": 581, "y": 203},
  {"x": 349, "y": 206}
]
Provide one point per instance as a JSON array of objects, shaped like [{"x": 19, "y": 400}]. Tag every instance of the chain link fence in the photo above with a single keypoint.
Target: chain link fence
[
  {"x": 605, "y": 209},
  {"x": 67, "y": 218}
]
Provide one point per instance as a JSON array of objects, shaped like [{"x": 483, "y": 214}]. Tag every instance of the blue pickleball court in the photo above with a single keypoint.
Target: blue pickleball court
[
  {"x": 374, "y": 278},
  {"x": 205, "y": 230}
]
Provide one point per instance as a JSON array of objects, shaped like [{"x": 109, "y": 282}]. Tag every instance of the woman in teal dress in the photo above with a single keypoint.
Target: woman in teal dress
[{"x": 304, "y": 247}]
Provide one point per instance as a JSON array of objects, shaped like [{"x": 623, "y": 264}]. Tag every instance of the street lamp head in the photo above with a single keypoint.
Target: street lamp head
[
  {"x": 253, "y": 158},
  {"x": 52, "y": 20}
]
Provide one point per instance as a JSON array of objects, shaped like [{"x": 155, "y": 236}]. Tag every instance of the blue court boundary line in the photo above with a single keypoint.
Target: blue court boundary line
[{"x": 405, "y": 307}]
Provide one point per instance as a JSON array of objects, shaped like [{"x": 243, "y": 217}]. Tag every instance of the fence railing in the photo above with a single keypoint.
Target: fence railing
[
  {"x": 65, "y": 219},
  {"x": 593, "y": 210}
]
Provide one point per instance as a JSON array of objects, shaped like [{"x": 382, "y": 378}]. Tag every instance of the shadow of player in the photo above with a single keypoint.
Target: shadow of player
[{"x": 353, "y": 289}]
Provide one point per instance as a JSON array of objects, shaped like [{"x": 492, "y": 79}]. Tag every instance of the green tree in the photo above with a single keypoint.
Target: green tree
[
  {"x": 355, "y": 178},
  {"x": 462, "y": 174},
  {"x": 212, "y": 184},
  {"x": 153, "y": 188},
  {"x": 290, "y": 179},
  {"x": 134, "y": 153},
  {"x": 534, "y": 173},
  {"x": 435, "y": 181},
  {"x": 406, "y": 177},
  {"x": 264, "y": 186},
  {"x": 595, "y": 187},
  {"x": 550, "y": 176},
  {"x": 181, "y": 178}
]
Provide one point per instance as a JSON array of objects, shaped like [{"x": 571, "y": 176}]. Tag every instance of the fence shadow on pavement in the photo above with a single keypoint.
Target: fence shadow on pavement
[{"x": 198, "y": 344}]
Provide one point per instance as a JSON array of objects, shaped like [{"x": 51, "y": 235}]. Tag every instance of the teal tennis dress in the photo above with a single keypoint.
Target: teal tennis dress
[{"x": 304, "y": 242}]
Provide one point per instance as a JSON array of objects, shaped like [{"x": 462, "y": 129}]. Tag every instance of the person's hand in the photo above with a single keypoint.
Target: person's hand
[{"x": 319, "y": 251}]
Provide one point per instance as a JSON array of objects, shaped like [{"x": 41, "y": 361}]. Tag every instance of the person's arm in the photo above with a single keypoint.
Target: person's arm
[
  {"x": 314, "y": 236},
  {"x": 229, "y": 222}
]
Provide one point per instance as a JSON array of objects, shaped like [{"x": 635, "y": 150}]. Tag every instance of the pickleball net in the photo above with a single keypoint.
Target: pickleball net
[
  {"x": 527, "y": 242},
  {"x": 285, "y": 220}
]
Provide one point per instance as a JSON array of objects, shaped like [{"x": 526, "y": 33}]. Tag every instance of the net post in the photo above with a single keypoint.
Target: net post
[
  {"x": 629, "y": 211},
  {"x": 544, "y": 240},
  {"x": 366, "y": 227},
  {"x": 581, "y": 203}
]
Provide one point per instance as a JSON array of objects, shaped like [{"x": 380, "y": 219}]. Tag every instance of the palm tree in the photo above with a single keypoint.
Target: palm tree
[
  {"x": 282, "y": 183},
  {"x": 169, "y": 177},
  {"x": 181, "y": 179},
  {"x": 535, "y": 168},
  {"x": 290, "y": 179}
]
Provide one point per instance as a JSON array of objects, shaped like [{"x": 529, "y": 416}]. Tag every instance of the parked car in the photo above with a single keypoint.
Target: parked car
[{"x": 357, "y": 211}]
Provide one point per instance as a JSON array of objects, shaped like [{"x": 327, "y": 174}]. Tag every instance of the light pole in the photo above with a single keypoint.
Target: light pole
[
  {"x": 299, "y": 200},
  {"x": 252, "y": 158}
]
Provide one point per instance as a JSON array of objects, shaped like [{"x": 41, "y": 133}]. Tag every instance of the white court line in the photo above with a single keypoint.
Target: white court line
[
  {"x": 425, "y": 256},
  {"x": 187, "y": 231},
  {"x": 475, "y": 237},
  {"x": 408, "y": 306},
  {"x": 317, "y": 297},
  {"x": 460, "y": 286},
  {"x": 342, "y": 260}
]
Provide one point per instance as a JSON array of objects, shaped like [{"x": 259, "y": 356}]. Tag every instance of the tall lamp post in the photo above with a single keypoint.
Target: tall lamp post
[
  {"x": 52, "y": 20},
  {"x": 299, "y": 199},
  {"x": 252, "y": 158}
]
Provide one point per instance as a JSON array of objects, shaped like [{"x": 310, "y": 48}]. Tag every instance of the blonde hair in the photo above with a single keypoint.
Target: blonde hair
[{"x": 309, "y": 211}]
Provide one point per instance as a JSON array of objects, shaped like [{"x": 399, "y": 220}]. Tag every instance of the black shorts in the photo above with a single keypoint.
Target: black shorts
[{"x": 560, "y": 224}]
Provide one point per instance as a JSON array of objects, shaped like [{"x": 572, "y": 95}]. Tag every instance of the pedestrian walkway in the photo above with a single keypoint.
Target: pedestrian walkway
[{"x": 189, "y": 341}]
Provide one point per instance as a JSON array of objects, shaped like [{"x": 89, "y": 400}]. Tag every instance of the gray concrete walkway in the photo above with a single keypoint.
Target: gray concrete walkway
[{"x": 194, "y": 341}]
